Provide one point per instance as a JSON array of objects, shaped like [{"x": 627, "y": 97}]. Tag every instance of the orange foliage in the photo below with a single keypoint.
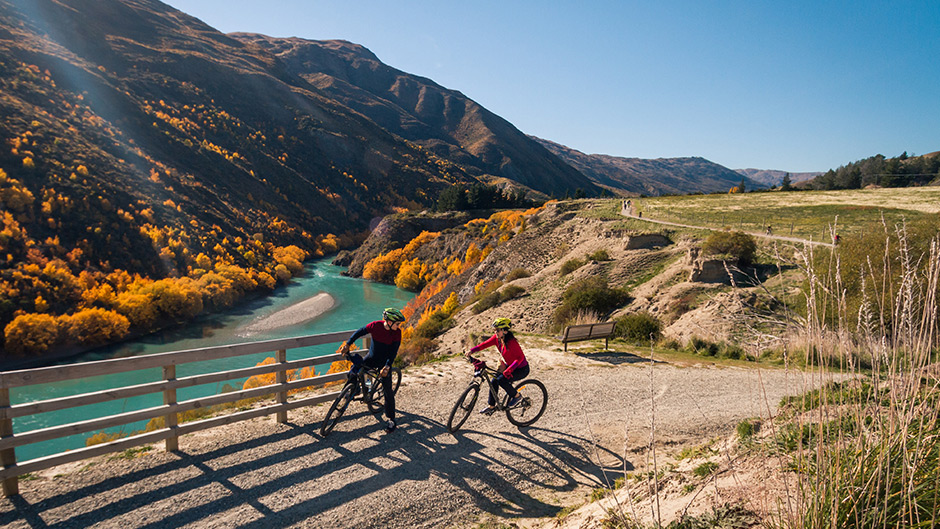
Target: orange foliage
[
  {"x": 31, "y": 334},
  {"x": 267, "y": 379},
  {"x": 94, "y": 326},
  {"x": 422, "y": 298}
]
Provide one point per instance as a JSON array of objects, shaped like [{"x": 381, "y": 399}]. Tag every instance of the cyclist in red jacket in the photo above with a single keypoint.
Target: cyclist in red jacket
[{"x": 512, "y": 364}]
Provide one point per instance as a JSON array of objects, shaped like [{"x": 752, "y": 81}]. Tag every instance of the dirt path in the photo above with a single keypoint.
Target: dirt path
[
  {"x": 262, "y": 474},
  {"x": 626, "y": 212}
]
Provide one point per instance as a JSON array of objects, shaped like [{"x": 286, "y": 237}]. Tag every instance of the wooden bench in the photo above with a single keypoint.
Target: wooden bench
[{"x": 589, "y": 331}]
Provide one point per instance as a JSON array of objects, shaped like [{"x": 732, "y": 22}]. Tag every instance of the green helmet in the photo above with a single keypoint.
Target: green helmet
[
  {"x": 502, "y": 323},
  {"x": 392, "y": 315}
]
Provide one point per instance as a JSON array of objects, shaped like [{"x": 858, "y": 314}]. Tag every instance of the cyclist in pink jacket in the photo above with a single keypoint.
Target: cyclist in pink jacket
[{"x": 512, "y": 365}]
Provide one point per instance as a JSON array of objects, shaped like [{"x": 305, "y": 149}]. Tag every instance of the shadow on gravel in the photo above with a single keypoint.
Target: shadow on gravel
[
  {"x": 616, "y": 358},
  {"x": 295, "y": 475}
]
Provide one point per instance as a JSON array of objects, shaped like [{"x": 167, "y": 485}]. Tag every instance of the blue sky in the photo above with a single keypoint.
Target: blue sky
[{"x": 796, "y": 86}]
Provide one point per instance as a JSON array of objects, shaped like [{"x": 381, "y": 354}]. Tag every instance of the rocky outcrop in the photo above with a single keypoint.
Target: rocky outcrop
[
  {"x": 395, "y": 231},
  {"x": 705, "y": 270},
  {"x": 648, "y": 241}
]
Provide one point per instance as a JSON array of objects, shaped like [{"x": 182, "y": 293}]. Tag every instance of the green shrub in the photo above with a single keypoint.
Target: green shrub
[
  {"x": 600, "y": 255},
  {"x": 702, "y": 347},
  {"x": 732, "y": 244},
  {"x": 418, "y": 350},
  {"x": 746, "y": 430},
  {"x": 640, "y": 327},
  {"x": 589, "y": 294},
  {"x": 495, "y": 298},
  {"x": 570, "y": 266},
  {"x": 705, "y": 469},
  {"x": 436, "y": 323},
  {"x": 517, "y": 273},
  {"x": 733, "y": 351}
]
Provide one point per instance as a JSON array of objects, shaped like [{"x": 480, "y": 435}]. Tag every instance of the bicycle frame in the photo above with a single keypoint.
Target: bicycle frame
[
  {"x": 525, "y": 412},
  {"x": 489, "y": 375}
]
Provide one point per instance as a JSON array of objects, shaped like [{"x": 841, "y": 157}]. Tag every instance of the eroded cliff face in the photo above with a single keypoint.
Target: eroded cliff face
[{"x": 395, "y": 231}]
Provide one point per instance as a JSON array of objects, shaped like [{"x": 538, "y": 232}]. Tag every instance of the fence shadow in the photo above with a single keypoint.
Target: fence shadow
[{"x": 282, "y": 478}]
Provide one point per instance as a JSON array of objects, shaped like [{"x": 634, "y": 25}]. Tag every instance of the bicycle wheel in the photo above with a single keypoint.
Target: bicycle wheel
[
  {"x": 532, "y": 405},
  {"x": 375, "y": 398},
  {"x": 396, "y": 380},
  {"x": 463, "y": 407},
  {"x": 337, "y": 409}
]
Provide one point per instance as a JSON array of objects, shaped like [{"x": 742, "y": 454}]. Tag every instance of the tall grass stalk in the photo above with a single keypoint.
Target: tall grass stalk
[{"x": 869, "y": 453}]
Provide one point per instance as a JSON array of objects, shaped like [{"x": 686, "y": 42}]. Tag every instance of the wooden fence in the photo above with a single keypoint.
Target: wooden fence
[{"x": 171, "y": 431}]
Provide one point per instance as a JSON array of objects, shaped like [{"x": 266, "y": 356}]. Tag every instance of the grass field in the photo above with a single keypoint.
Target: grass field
[{"x": 805, "y": 214}]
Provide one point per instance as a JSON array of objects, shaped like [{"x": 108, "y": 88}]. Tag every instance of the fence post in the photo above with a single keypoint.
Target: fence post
[
  {"x": 11, "y": 486},
  {"x": 171, "y": 420},
  {"x": 281, "y": 378}
]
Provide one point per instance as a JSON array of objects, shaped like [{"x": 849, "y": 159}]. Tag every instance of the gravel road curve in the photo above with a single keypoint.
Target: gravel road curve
[{"x": 260, "y": 474}]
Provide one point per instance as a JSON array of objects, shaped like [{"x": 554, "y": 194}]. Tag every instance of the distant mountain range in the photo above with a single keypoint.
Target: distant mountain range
[
  {"x": 661, "y": 176},
  {"x": 769, "y": 178}
]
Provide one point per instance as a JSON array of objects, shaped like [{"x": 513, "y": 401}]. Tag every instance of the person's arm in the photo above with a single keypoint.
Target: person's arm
[
  {"x": 488, "y": 343},
  {"x": 355, "y": 336}
]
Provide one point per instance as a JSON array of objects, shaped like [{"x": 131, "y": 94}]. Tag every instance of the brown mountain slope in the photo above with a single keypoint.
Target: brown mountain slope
[
  {"x": 135, "y": 139},
  {"x": 443, "y": 121},
  {"x": 662, "y": 176}
]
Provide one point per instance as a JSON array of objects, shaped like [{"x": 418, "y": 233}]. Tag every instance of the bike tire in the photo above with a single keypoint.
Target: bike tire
[
  {"x": 463, "y": 407},
  {"x": 375, "y": 399},
  {"x": 534, "y": 400},
  {"x": 396, "y": 380},
  {"x": 337, "y": 409}
]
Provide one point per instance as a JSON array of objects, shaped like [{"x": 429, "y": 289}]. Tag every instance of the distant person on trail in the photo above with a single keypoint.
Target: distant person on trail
[
  {"x": 836, "y": 239},
  {"x": 386, "y": 338},
  {"x": 770, "y": 231},
  {"x": 513, "y": 365}
]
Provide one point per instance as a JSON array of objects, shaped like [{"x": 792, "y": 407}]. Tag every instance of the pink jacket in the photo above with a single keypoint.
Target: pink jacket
[{"x": 512, "y": 353}]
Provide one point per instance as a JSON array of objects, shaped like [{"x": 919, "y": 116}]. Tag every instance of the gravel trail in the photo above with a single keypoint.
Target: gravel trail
[{"x": 260, "y": 474}]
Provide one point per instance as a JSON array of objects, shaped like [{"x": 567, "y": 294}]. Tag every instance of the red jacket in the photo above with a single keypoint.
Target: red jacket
[{"x": 512, "y": 353}]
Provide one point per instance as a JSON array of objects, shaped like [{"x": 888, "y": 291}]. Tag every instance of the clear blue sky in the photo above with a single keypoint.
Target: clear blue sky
[{"x": 796, "y": 86}]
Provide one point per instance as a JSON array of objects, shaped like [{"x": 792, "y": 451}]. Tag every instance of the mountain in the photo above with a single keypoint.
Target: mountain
[
  {"x": 152, "y": 168},
  {"x": 159, "y": 107},
  {"x": 662, "y": 176},
  {"x": 442, "y": 121},
  {"x": 769, "y": 177}
]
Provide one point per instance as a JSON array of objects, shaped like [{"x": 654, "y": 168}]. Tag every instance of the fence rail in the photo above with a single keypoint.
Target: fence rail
[{"x": 172, "y": 430}]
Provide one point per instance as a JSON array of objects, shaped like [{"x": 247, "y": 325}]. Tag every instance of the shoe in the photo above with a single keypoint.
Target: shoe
[
  {"x": 488, "y": 410},
  {"x": 390, "y": 426},
  {"x": 515, "y": 400}
]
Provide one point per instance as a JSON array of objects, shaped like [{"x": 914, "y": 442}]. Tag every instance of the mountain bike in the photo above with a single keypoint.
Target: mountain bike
[
  {"x": 524, "y": 413},
  {"x": 370, "y": 392}
]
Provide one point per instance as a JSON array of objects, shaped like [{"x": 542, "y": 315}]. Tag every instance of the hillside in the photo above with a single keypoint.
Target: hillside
[
  {"x": 523, "y": 264},
  {"x": 443, "y": 121},
  {"x": 662, "y": 176}
]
